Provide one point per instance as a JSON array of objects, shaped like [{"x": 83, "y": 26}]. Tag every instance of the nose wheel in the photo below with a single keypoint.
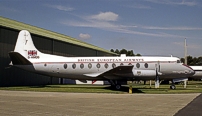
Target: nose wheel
[
  {"x": 172, "y": 87},
  {"x": 117, "y": 86}
]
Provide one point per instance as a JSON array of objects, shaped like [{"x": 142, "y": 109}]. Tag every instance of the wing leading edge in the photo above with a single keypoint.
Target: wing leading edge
[{"x": 120, "y": 72}]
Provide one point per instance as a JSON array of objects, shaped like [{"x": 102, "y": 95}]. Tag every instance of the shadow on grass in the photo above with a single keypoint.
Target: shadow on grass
[
  {"x": 124, "y": 89},
  {"x": 39, "y": 86}
]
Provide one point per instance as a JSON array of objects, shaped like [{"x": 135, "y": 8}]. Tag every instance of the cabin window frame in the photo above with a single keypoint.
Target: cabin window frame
[
  {"x": 81, "y": 65},
  {"x": 74, "y": 65},
  {"x": 98, "y": 65},
  {"x": 106, "y": 65},
  {"x": 146, "y": 65},
  {"x": 89, "y": 65},
  {"x": 138, "y": 65},
  {"x": 65, "y": 66},
  {"x": 113, "y": 65}
]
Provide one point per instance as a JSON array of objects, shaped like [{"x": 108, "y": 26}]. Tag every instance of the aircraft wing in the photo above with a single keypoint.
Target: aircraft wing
[
  {"x": 120, "y": 72},
  {"x": 93, "y": 74}
]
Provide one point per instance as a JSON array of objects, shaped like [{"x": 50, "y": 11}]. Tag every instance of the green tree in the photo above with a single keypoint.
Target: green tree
[
  {"x": 112, "y": 50},
  {"x": 138, "y": 54},
  {"x": 123, "y": 51},
  {"x": 193, "y": 60},
  {"x": 189, "y": 60},
  {"x": 199, "y": 61},
  {"x": 130, "y": 53},
  {"x": 182, "y": 60},
  {"x": 117, "y": 51}
]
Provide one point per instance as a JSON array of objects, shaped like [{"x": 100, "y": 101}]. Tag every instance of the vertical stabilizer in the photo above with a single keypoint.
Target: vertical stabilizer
[{"x": 25, "y": 46}]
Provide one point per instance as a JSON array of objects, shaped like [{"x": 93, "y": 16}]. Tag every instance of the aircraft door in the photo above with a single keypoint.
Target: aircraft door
[{"x": 55, "y": 69}]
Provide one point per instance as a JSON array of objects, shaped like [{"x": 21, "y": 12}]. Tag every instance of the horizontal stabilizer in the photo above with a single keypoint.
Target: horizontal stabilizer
[{"x": 18, "y": 59}]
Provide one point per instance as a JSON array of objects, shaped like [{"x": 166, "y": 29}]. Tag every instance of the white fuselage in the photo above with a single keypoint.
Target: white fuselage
[
  {"x": 27, "y": 57},
  {"x": 81, "y": 67}
]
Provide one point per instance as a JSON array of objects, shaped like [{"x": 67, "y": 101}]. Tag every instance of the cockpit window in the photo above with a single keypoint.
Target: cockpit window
[{"x": 178, "y": 61}]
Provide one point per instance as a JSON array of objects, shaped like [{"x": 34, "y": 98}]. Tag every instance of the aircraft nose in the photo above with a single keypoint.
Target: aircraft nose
[{"x": 191, "y": 71}]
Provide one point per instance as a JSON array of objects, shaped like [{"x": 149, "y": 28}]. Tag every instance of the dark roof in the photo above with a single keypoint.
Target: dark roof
[{"x": 46, "y": 33}]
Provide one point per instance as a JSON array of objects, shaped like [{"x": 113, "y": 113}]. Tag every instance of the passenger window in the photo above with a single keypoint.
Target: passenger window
[
  {"x": 89, "y": 65},
  {"x": 113, "y": 65},
  {"x": 138, "y": 65},
  {"x": 106, "y": 65},
  {"x": 74, "y": 66},
  {"x": 82, "y": 66},
  {"x": 98, "y": 65},
  {"x": 65, "y": 66},
  {"x": 146, "y": 65}
]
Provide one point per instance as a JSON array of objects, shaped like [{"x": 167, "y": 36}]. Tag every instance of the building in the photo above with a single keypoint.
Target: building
[{"x": 45, "y": 41}]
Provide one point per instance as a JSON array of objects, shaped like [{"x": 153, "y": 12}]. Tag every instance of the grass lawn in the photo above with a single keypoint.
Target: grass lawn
[{"x": 192, "y": 87}]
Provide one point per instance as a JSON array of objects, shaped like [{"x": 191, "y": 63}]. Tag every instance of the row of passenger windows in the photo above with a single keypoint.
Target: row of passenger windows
[{"x": 99, "y": 66}]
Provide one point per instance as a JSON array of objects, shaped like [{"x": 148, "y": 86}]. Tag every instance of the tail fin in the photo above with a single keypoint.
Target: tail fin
[{"x": 25, "y": 46}]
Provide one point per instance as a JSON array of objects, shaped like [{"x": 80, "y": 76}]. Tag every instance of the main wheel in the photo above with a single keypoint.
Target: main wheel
[
  {"x": 172, "y": 87},
  {"x": 118, "y": 87}
]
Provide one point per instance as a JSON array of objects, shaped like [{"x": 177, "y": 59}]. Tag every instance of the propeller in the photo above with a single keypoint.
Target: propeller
[{"x": 157, "y": 75}]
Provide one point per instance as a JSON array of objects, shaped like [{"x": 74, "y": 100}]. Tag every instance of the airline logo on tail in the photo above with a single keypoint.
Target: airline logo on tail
[{"x": 32, "y": 54}]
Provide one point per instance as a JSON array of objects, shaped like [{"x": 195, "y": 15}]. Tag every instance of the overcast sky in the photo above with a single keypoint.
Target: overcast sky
[{"x": 149, "y": 27}]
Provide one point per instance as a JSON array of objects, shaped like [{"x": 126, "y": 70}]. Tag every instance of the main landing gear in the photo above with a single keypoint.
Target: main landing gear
[{"x": 115, "y": 84}]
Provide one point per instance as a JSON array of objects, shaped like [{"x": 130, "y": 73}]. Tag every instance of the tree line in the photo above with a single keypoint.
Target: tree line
[
  {"x": 193, "y": 60},
  {"x": 124, "y": 51},
  {"x": 190, "y": 60}
]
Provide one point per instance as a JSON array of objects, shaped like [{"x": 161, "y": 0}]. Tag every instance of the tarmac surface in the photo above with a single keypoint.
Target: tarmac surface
[
  {"x": 194, "y": 108},
  {"x": 23, "y": 103}
]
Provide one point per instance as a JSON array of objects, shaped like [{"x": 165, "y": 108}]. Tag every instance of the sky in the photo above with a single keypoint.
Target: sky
[{"x": 148, "y": 27}]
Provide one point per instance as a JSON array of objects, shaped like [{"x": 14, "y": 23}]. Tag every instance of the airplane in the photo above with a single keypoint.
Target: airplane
[
  {"x": 115, "y": 69},
  {"x": 198, "y": 72}
]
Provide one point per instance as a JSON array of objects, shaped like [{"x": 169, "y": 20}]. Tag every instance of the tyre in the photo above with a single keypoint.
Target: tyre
[
  {"x": 172, "y": 87},
  {"x": 118, "y": 87}
]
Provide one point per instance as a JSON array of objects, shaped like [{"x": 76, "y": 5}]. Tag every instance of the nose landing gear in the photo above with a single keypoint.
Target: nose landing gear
[{"x": 172, "y": 86}]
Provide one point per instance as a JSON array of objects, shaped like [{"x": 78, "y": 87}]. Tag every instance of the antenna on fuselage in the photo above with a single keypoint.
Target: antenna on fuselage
[{"x": 123, "y": 55}]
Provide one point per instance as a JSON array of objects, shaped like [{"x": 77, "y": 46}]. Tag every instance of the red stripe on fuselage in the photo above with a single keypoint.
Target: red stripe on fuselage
[{"x": 104, "y": 62}]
